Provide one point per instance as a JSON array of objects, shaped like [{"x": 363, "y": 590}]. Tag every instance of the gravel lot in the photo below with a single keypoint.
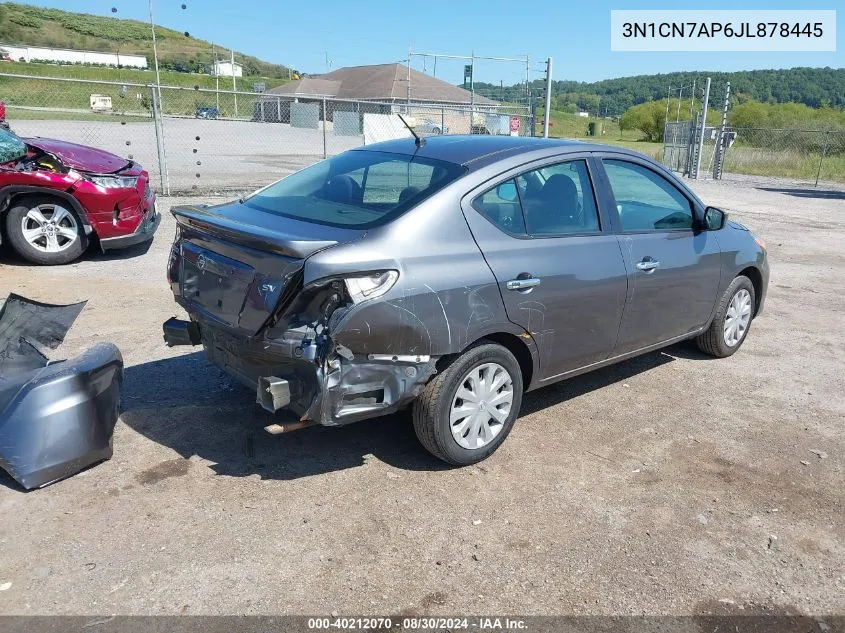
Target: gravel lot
[{"x": 669, "y": 484}]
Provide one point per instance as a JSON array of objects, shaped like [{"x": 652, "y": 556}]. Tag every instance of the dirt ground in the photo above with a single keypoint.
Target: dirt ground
[{"x": 669, "y": 484}]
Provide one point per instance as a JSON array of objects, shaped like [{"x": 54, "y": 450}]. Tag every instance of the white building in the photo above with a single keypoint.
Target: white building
[
  {"x": 30, "y": 53},
  {"x": 224, "y": 68}
]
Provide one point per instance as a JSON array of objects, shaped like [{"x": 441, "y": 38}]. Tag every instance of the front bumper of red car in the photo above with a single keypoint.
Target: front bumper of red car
[{"x": 145, "y": 231}]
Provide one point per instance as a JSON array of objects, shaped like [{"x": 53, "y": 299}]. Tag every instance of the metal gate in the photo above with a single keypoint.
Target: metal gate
[{"x": 679, "y": 145}]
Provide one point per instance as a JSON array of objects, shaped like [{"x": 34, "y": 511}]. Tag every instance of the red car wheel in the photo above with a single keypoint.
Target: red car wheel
[{"x": 43, "y": 230}]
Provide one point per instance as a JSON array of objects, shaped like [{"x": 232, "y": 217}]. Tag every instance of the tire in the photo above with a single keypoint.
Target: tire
[
  {"x": 65, "y": 236},
  {"x": 739, "y": 298},
  {"x": 432, "y": 410},
  {"x": 435, "y": 130}
]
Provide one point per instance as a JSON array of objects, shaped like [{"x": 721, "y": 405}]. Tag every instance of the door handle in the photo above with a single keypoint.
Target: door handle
[
  {"x": 648, "y": 265},
  {"x": 522, "y": 284}
]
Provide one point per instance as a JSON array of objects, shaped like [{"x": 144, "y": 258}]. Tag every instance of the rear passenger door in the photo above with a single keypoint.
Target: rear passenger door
[
  {"x": 557, "y": 265},
  {"x": 674, "y": 266}
]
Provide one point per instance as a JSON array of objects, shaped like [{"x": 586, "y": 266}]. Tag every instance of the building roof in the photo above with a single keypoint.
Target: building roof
[
  {"x": 310, "y": 86},
  {"x": 381, "y": 82}
]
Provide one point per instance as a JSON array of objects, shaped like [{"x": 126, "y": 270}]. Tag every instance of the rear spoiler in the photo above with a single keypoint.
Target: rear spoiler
[{"x": 279, "y": 242}]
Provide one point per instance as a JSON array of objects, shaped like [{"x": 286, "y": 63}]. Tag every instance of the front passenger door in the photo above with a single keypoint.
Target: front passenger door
[{"x": 673, "y": 268}]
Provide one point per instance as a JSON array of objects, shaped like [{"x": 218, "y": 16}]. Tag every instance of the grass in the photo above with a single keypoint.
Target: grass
[{"x": 27, "y": 114}]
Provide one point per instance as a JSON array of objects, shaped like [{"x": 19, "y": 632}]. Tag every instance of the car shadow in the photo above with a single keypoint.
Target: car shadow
[
  {"x": 826, "y": 194},
  {"x": 191, "y": 406},
  {"x": 8, "y": 257},
  {"x": 128, "y": 252}
]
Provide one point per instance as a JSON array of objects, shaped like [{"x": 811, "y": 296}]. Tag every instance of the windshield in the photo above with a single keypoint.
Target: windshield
[
  {"x": 11, "y": 147},
  {"x": 357, "y": 189}
]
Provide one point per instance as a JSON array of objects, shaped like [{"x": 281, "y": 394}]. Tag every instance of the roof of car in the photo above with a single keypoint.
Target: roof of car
[{"x": 477, "y": 150}]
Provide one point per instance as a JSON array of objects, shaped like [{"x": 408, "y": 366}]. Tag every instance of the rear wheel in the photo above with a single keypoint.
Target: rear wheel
[
  {"x": 732, "y": 321},
  {"x": 45, "y": 230},
  {"x": 467, "y": 410}
]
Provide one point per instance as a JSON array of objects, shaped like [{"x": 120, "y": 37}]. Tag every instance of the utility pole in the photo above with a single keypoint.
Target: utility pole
[
  {"x": 157, "y": 115},
  {"x": 471, "y": 87},
  {"x": 155, "y": 54},
  {"x": 692, "y": 99},
  {"x": 701, "y": 131},
  {"x": 548, "y": 110},
  {"x": 216, "y": 76},
  {"x": 680, "y": 92},
  {"x": 721, "y": 141},
  {"x": 409, "y": 82},
  {"x": 234, "y": 82}
]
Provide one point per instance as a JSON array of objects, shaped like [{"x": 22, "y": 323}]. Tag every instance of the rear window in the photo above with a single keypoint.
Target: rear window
[{"x": 356, "y": 189}]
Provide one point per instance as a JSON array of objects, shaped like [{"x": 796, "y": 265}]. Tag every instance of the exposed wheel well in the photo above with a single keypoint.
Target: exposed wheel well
[
  {"x": 757, "y": 281},
  {"x": 510, "y": 342}
]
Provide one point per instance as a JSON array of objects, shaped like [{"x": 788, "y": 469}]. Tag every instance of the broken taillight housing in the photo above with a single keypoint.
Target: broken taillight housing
[{"x": 362, "y": 288}]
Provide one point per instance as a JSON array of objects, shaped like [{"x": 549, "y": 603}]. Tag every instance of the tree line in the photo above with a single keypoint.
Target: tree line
[{"x": 813, "y": 87}]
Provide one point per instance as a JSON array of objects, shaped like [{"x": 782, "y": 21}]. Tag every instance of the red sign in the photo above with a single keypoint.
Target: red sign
[{"x": 514, "y": 124}]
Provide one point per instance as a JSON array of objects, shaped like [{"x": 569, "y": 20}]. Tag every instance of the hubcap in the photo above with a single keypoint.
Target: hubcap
[
  {"x": 49, "y": 228},
  {"x": 737, "y": 318},
  {"x": 481, "y": 405}
]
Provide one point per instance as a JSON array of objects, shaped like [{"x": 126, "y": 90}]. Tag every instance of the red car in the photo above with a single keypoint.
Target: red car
[{"x": 57, "y": 198}]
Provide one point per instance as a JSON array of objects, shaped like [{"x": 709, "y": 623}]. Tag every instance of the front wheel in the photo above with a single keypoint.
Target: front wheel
[
  {"x": 732, "y": 321},
  {"x": 467, "y": 410},
  {"x": 43, "y": 230}
]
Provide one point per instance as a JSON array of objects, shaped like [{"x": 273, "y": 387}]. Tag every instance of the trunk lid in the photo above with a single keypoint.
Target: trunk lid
[
  {"x": 80, "y": 157},
  {"x": 233, "y": 264}
]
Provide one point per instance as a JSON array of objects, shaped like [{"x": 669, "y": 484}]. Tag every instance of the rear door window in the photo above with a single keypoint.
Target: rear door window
[{"x": 559, "y": 200}]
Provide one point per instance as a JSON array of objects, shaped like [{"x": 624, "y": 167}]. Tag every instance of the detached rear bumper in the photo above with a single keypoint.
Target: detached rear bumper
[
  {"x": 59, "y": 419},
  {"x": 144, "y": 233}
]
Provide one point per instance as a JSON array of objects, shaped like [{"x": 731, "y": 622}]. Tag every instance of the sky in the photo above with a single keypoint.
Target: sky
[{"x": 305, "y": 35}]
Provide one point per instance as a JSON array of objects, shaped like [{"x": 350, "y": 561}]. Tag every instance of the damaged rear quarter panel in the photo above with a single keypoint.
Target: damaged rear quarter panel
[{"x": 446, "y": 296}]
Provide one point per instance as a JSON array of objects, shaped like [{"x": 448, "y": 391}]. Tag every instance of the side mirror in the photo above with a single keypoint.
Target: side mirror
[
  {"x": 507, "y": 191},
  {"x": 714, "y": 219}
]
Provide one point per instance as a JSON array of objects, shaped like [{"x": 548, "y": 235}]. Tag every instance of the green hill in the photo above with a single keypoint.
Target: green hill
[{"x": 34, "y": 26}]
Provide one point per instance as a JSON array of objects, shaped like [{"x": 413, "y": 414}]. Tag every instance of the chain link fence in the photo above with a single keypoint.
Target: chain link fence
[
  {"x": 813, "y": 155},
  {"x": 206, "y": 141},
  {"x": 195, "y": 140},
  {"x": 817, "y": 155}
]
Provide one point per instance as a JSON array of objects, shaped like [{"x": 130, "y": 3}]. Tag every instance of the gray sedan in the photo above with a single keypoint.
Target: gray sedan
[{"x": 453, "y": 274}]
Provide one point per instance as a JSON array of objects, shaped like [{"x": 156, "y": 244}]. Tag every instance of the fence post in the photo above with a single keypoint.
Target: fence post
[
  {"x": 325, "y": 117},
  {"x": 548, "y": 106},
  {"x": 442, "y": 120},
  {"x": 821, "y": 160},
  {"x": 159, "y": 132},
  {"x": 720, "y": 142},
  {"x": 701, "y": 133}
]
